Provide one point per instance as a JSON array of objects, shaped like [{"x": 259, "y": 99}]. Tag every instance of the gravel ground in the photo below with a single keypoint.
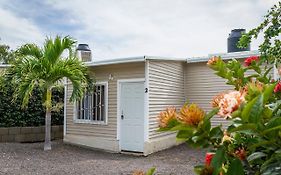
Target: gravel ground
[{"x": 29, "y": 158}]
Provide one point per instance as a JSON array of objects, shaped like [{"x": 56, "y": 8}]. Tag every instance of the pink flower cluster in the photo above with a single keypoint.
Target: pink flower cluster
[{"x": 228, "y": 102}]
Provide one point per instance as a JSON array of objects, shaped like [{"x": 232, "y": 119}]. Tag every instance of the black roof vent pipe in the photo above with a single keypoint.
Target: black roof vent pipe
[
  {"x": 233, "y": 40},
  {"x": 84, "y": 52}
]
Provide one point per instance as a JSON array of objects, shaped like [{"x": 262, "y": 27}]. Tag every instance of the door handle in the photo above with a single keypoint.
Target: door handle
[{"x": 122, "y": 116}]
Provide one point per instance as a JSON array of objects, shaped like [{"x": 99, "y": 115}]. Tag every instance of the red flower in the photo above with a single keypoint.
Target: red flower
[
  {"x": 241, "y": 153},
  {"x": 249, "y": 60},
  {"x": 277, "y": 87},
  {"x": 208, "y": 158}
]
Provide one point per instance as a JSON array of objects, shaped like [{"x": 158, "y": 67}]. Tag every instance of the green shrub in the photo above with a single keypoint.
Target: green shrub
[{"x": 11, "y": 113}]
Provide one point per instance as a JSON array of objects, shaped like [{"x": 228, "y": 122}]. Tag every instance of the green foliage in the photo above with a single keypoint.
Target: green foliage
[
  {"x": 151, "y": 171},
  {"x": 270, "y": 49},
  {"x": 6, "y": 55},
  {"x": 12, "y": 115}
]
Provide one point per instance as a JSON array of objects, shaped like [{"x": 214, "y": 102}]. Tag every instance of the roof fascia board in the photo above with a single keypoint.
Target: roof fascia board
[
  {"x": 224, "y": 56},
  {"x": 5, "y": 65},
  {"x": 116, "y": 61}
]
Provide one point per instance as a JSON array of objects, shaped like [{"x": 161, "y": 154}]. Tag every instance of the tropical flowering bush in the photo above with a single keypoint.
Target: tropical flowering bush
[{"x": 251, "y": 143}]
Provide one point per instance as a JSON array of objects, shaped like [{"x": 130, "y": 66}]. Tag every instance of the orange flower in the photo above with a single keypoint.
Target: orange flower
[
  {"x": 138, "y": 172},
  {"x": 166, "y": 116},
  {"x": 213, "y": 60},
  {"x": 229, "y": 102},
  {"x": 191, "y": 115},
  {"x": 216, "y": 100}
]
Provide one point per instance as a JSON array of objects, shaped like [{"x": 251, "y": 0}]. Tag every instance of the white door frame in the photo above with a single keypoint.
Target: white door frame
[{"x": 119, "y": 82}]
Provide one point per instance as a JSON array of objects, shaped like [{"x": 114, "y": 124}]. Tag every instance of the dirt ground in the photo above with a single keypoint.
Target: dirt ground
[{"x": 29, "y": 158}]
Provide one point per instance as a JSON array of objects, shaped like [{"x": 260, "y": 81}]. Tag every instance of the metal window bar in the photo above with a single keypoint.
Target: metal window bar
[
  {"x": 78, "y": 109},
  {"x": 91, "y": 106},
  {"x": 81, "y": 109},
  {"x": 100, "y": 95},
  {"x": 96, "y": 101},
  {"x": 102, "y": 103}
]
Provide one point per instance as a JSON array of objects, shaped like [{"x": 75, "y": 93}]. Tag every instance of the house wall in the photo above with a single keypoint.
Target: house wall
[
  {"x": 201, "y": 85},
  {"x": 101, "y": 136},
  {"x": 166, "y": 88}
]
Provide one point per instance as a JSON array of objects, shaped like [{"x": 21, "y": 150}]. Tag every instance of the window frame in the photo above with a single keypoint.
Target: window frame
[{"x": 105, "y": 122}]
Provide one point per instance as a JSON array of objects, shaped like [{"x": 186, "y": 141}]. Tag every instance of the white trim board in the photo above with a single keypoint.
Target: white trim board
[
  {"x": 146, "y": 102},
  {"x": 224, "y": 56}
]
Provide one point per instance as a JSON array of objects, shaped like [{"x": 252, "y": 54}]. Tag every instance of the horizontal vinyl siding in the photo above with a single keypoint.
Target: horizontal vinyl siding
[
  {"x": 120, "y": 71},
  {"x": 201, "y": 85},
  {"x": 166, "y": 88}
]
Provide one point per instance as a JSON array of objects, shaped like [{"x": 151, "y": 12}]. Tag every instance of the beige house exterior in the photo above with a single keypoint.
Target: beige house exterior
[{"x": 135, "y": 91}]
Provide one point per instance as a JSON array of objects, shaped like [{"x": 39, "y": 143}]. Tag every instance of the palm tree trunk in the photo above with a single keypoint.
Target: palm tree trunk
[{"x": 47, "y": 144}]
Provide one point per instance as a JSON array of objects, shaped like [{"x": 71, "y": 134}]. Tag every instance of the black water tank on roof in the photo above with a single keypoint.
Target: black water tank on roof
[{"x": 233, "y": 39}]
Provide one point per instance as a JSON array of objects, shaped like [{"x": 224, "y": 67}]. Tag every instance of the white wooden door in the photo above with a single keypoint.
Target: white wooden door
[{"x": 132, "y": 116}]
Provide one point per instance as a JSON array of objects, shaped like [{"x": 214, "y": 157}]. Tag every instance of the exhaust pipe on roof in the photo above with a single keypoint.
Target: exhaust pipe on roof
[
  {"x": 233, "y": 40},
  {"x": 84, "y": 52}
]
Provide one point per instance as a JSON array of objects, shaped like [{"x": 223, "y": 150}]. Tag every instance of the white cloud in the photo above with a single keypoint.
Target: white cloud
[
  {"x": 162, "y": 27},
  {"x": 125, "y": 28},
  {"x": 16, "y": 31}
]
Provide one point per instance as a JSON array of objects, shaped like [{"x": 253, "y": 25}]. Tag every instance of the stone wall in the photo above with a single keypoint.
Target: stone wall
[{"x": 29, "y": 134}]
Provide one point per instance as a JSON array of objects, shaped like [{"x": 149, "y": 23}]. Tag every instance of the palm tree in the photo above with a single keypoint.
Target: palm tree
[{"x": 44, "y": 68}]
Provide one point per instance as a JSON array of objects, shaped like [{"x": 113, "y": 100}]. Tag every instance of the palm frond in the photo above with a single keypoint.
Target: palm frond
[
  {"x": 75, "y": 71},
  {"x": 44, "y": 68},
  {"x": 54, "y": 48},
  {"x": 30, "y": 50}
]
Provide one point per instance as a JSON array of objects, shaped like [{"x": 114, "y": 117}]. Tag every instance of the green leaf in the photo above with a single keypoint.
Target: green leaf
[
  {"x": 235, "y": 167},
  {"x": 261, "y": 143},
  {"x": 272, "y": 129},
  {"x": 216, "y": 132},
  {"x": 218, "y": 160},
  {"x": 272, "y": 166},
  {"x": 253, "y": 110},
  {"x": 182, "y": 127},
  {"x": 184, "y": 134},
  {"x": 198, "y": 169},
  {"x": 151, "y": 171},
  {"x": 243, "y": 127},
  {"x": 211, "y": 114},
  {"x": 256, "y": 155},
  {"x": 268, "y": 92},
  {"x": 247, "y": 110},
  {"x": 256, "y": 111}
]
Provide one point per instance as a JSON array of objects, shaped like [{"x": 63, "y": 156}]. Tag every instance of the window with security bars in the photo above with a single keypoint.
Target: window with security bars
[{"x": 92, "y": 107}]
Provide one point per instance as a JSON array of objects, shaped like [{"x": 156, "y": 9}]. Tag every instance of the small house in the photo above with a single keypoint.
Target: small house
[{"x": 121, "y": 114}]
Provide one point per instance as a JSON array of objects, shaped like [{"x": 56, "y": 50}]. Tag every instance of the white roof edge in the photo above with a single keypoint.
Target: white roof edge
[
  {"x": 116, "y": 61},
  {"x": 164, "y": 58},
  {"x": 224, "y": 56},
  {"x": 131, "y": 60},
  {"x": 5, "y": 65}
]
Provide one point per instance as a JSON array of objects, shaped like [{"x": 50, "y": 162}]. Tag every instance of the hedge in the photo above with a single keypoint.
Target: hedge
[{"x": 12, "y": 115}]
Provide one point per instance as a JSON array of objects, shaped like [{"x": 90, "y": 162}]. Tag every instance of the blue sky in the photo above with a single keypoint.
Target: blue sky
[{"x": 125, "y": 28}]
